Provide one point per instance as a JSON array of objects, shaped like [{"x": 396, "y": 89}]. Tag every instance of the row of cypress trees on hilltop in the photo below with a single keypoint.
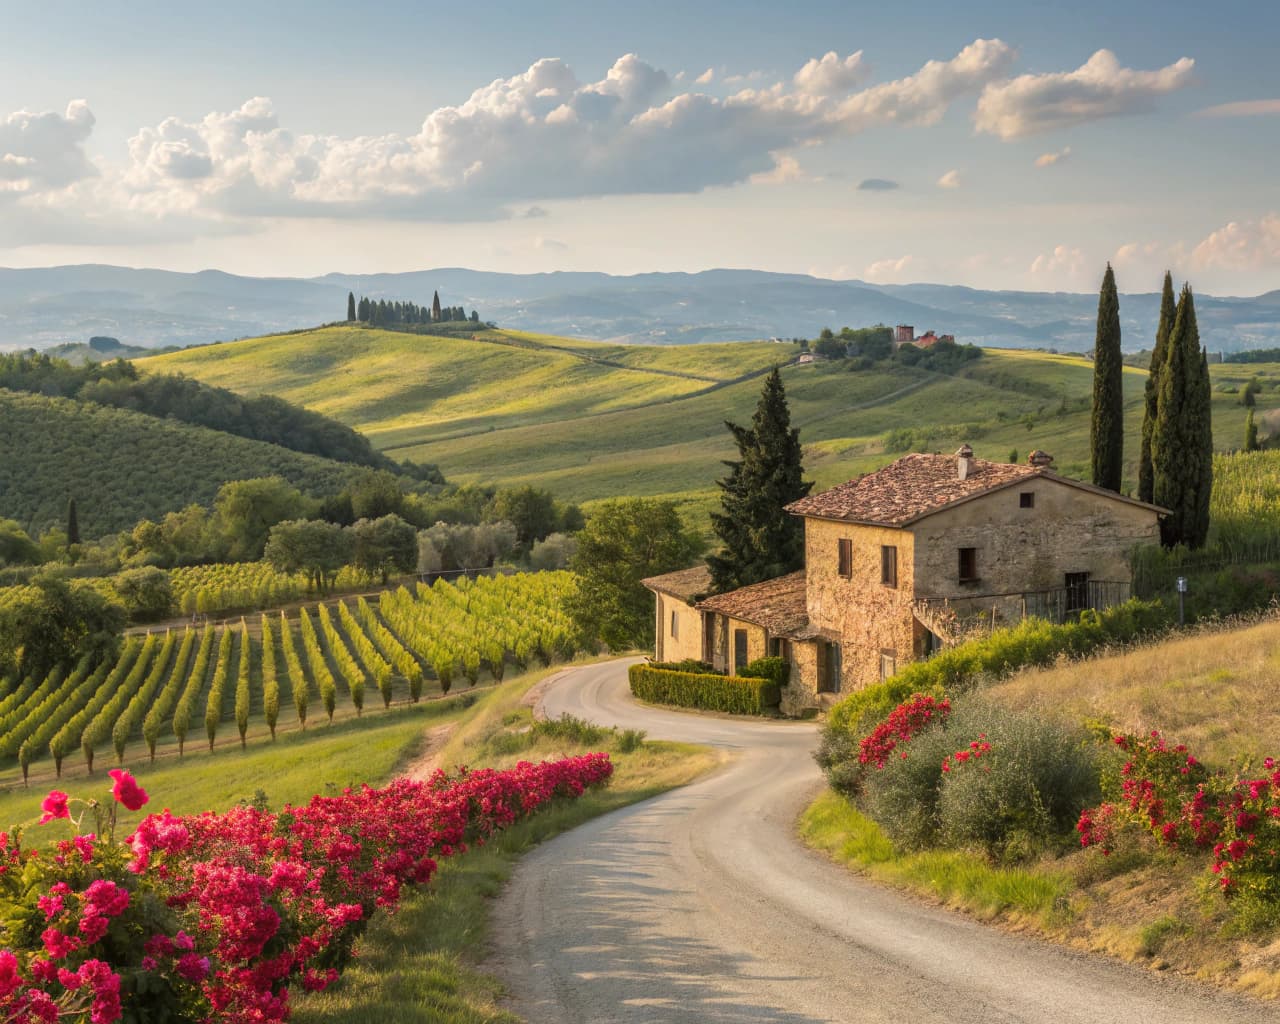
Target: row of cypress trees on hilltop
[
  {"x": 380, "y": 311},
  {"x": 1175, "y": 461}
]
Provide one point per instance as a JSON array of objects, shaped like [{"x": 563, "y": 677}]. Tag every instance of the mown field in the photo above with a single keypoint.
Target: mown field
[
  {"x": 209, "y": 688},
  {"x": 594, "y": 421}
]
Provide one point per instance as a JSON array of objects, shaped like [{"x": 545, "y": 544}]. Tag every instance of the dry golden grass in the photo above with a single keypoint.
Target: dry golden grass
[{"x": 1213, "y": 690}]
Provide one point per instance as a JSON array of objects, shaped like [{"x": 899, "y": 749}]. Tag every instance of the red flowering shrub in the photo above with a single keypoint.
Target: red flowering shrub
[
  {"x": 1167, "y": 793},
  {"x": 908, "y": 719},
  {"x": 213, "y": 916}
]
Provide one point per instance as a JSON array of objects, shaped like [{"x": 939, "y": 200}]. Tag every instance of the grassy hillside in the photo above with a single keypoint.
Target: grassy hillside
[
  {"x": 592, "y": 421},
  {"x": 123, "y": 466}
]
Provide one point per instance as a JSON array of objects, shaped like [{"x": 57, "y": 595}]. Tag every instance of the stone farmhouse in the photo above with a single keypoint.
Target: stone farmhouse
[{"x": 897, "y": 559}]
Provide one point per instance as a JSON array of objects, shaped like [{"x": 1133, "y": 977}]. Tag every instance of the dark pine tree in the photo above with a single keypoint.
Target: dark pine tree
[
  {"x": 73, "y": 523},
  {"x": 1182, "y": 440},
  {"x": 1159, "y": 356},
  {"x": 351, "y": 306},
  {"x": 1106, "y": 440},
  {"x": 1250, "y": 434},
  {"x": 435, "y": 308},
  {"x": 759, "y": 539}
]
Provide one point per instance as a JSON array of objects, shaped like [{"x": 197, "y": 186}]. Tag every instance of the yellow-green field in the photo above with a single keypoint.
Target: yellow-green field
[{"x": 592, "y": 421}]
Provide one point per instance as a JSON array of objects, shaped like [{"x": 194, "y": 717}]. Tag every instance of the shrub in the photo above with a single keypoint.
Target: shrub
[
  {"x": 1007, "y": 783},
  {"x": 1033, "y": 642},
  {"x": 733, "y": 694},
  {"x": 776, "y": 669},
  {"x": 688, "y": 665}
]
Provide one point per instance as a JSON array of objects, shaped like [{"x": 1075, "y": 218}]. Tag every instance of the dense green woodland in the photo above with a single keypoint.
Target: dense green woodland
[{"x": 122, "y": 466}]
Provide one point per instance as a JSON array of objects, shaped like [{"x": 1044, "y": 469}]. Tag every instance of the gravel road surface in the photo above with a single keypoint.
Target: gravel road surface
[{"x": 702, "y": 906}]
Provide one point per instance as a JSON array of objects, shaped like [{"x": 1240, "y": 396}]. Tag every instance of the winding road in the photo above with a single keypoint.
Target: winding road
[{"x": 702, "y": 906}]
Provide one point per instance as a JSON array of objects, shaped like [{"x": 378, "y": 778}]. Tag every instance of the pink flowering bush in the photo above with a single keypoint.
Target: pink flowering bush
[
  {"x": 1233, "y": 818},
  {"x": 215, "y": 916}
]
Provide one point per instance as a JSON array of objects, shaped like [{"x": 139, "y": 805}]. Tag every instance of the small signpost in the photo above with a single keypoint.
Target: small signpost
[{"x": 1182, "y": 598}]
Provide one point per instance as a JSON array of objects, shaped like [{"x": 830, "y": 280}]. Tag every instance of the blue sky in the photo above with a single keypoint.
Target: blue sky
[{"x": 292, "y": 139}]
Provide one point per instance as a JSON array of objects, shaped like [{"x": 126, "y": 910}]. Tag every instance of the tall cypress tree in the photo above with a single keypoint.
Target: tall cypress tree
[
  {"x": 1106, "y": 440},
  {"x": 1250, "y": 434},
  {"x": 73, "y": 523},
  {"x": 1182, "y": 439},
  {"x": 1159, "y": 356},
  {"x": 435, "y": 308},
  {"x": 759, "y": 539},
  {"x": 351, "y": 306}
]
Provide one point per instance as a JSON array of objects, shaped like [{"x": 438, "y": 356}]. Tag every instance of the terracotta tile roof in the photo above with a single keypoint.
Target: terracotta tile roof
[
  {"x": 919, "y": 485},
  {"x": 684, "y": 583},
  {"x": 778, "y": 605}
]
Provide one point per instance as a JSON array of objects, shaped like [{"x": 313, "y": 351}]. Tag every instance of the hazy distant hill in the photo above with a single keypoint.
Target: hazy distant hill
[{"x": 49, "y": 306}]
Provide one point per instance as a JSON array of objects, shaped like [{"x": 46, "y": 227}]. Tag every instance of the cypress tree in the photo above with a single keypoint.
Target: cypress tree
[
  {"x": 1250, "y": 434},
  {"x": 435, "y": 308},
  {"x": 1159, "y": 356},
  {"x": 1106, "y": 440},
  {"x": 73, "y": 523},
  {"x": 1182, "y": 438},
  {"x": 759, "y": 539},
  {"x": 351, "y": 306}
]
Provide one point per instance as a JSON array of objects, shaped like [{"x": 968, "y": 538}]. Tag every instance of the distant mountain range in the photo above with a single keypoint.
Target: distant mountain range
[{"x": 45, "y": 307}]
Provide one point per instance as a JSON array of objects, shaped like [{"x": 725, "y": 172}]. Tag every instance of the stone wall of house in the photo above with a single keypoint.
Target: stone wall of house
[
  {"x": 723, "y": 630},
  {"x": 801, "y": 692},
  {"x": 874, "y": 621},
  {"x": 678, "y": 630},
  {"x": 1066, "y": 530}
]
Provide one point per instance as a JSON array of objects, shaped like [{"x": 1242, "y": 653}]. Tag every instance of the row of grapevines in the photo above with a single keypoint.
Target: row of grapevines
[
  {"x": 82, "y": 688},
  {"x": 221, "y": 673},
  {"x": 209, "y": 589},
  {"x": 191, "y": 692},
  {"x": 242, "y": 682},
  {"x": 298, "y": 678},
  {"x": 164, "y": 704},
  {"x": 319, "y": 667},
  {"x": 342, "y": 657},
  {"x": 374, "y": 662},
  {"x": 100, "y": 727},
  {"x": 270, "y": 681},
  {"x": 391, "y": 648},
  {"x": 65, "y": 739},
  {"x": 127, "y": 724},
  {"x": 13, "y": 722}
]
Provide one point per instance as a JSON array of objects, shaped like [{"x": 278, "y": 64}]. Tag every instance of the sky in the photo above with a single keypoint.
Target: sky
[{"x": 996, "y": 144}]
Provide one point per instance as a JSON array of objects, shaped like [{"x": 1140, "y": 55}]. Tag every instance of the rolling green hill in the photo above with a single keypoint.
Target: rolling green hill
[
  {"x": 123, "y": 466},
  {"x": 592, "y": 421}
]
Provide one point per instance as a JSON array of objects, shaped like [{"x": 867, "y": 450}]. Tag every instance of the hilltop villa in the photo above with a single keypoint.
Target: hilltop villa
[{"x": 895, "y": 558}]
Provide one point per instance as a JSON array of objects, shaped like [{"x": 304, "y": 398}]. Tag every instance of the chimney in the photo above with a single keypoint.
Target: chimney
[
  {"x": 1039, "y": 459},
  {"x": 964, "y": 462}
]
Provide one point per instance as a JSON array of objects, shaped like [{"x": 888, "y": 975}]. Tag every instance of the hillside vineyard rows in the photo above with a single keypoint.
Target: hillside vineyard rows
[{"x": 241, "y": 681}]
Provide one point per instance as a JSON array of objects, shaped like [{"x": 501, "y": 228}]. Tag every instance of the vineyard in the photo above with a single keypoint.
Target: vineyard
[
  {"x": 249, "y": 679},
  {"x": 242, "y": 586}
]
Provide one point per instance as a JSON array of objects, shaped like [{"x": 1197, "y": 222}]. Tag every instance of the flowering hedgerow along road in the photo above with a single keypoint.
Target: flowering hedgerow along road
[{"x": 211, "y": 917}]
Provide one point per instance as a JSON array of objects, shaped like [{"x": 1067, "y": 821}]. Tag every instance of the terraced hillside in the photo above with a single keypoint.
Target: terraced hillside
[
  {"x": 123, "y": 466},
  {"x": 592, "y": 421}
]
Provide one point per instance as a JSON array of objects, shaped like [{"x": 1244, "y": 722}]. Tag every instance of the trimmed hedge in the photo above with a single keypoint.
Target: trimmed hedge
[
  {"x": 776, "y": 669},
  {"x": 733, "y": 694},
  {"x": 1033, "y": 642},
  {"x": 688, "y": 665}
]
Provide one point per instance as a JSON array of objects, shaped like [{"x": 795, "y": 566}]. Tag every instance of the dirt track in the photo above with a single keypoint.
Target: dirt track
[{"x": 701, "y": 906}]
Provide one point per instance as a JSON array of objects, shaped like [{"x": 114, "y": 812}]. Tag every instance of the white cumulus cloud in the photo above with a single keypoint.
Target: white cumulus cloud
[
  {"x": 1099, "y": 88},
  {"x": 950, "y": 180},
  {"x": 1241, "y": 246},
  {"x": 831, "y": 73},
  {"x": 1063, "y": 267},
  {"x": 887, "y": 271},
  {"x": 1049, "y": 159},
  {"x": 46, "y": 150}
]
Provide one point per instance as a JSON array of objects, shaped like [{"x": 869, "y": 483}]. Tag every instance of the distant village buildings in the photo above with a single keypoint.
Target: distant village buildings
[{"x": 905, "y": 334}]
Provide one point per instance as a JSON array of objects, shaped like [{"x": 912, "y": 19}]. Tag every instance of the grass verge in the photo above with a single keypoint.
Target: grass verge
[
  {"x": 959, "y": 879},
  {"x": 420, "y": 964}
]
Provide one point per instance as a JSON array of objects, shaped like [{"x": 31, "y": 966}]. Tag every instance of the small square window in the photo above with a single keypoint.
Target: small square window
[
  {"x": 845, "y": 552},
  {"x": 1027, "y": 499},
  {"x": 968, "y": 565},
  {"x": 889, "y": 565}
]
